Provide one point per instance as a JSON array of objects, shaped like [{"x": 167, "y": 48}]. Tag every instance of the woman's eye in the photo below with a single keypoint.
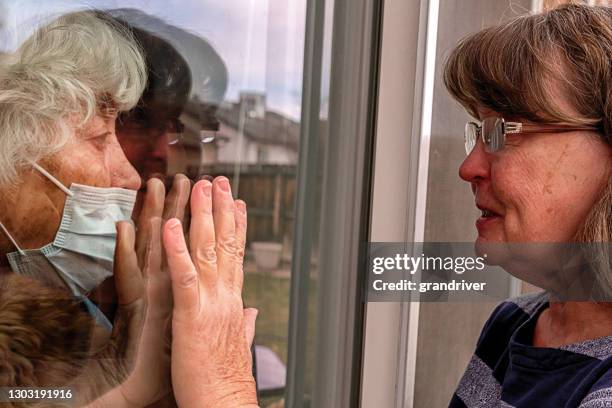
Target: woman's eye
[{"x": 101, "y": 139}]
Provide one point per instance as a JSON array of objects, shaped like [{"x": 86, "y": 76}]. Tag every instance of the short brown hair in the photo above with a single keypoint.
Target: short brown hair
[{"x": 511, "y": 68}]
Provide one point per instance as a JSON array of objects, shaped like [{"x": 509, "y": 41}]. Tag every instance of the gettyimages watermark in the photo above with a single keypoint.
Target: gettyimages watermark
[{"x": 464, "y": 272}]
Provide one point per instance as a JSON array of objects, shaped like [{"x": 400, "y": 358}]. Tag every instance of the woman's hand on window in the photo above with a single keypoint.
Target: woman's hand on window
[{"x": 212, "y": 333}]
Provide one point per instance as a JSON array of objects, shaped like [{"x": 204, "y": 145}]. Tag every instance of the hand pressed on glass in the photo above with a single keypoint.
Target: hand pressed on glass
[
  {"x": 212, "y": 333},
  {"x": 135, "y": 366}
]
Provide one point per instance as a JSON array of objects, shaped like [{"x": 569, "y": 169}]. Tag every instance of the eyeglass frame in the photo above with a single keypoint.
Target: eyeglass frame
[
  {"x": 517, "y": 127},
  {"x": 174, "y": 127}
]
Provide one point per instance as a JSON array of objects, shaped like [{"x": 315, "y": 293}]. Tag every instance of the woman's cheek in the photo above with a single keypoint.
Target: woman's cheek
[
  {"x": 514, "y": 230},
  {"x": 521, "y": 199},
  {"x": 81, "y": 163}
]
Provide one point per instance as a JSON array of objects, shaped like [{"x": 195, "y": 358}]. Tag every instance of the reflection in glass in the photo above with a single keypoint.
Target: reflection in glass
[{"x": 223, "y": 98}]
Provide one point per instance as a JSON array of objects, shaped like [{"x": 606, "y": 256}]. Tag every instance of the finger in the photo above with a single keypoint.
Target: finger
[
  {"x": 185, "y": 283},
  {"x": 186, "y": 216},
  {"x": 177, "y": 198},
  {"x": 250, "y": 319},
  {"x": 225, "y": 229},
  {"x": 240, "y": 212},
  {"x": 153, "y": 252},
  {"x": 128, "y": 323},
  {"x": 157, "y": 284},
  {"x": 202, "y": 233},
  {"x": 153, "y": 207},
  {"x": 128, "y": 277}
]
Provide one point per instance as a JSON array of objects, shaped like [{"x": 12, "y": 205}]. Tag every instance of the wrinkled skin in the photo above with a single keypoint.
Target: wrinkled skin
[
  {"x": 133, "y": 368},
  {"x": 32, "y": 209},
  {"x": 531, "y": 181},
  {"x": 541, "y": 187},
  {"x": 212, "y": 334}
]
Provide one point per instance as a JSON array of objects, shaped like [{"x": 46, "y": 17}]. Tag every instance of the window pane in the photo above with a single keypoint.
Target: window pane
[
  {"x": 223, "y": 97},
  {"x": 268, "y": 93}
]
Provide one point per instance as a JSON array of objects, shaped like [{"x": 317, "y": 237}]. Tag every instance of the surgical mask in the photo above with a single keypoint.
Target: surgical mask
[{"x": 81, "y": 256}]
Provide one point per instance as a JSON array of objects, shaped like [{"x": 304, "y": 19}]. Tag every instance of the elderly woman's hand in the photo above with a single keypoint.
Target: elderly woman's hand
[
  {"x": 212, "y": 333},
  {"x": 138, "y": 360},
  {"x": 150, "y": 379},
  {"x": 109, "y": 368}
]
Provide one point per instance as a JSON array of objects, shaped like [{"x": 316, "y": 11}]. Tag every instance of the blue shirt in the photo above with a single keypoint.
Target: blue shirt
[{"x": 507, "y": 371}]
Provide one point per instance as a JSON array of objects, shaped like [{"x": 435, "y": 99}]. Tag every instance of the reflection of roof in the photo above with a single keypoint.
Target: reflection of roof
[
  {"x": 204, "y": 113},
  {"x": 273, "y": 128}
]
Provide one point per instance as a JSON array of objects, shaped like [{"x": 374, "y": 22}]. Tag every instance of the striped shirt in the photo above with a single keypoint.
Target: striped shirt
[{"x": 507, "y": 371}]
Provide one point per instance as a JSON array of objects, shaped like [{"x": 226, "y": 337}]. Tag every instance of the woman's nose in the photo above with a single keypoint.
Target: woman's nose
[
  {"x": 123, "y": 174},
  {"x": 476, "y": 165}
]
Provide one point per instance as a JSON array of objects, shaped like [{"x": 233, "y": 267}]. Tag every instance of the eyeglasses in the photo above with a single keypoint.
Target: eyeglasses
[
  {"x": 173, "y": 129},
  {"x": 493, "y": 131}
]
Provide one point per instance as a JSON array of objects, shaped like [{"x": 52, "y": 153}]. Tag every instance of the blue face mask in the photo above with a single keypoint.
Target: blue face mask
[{"x": 81, "y": 256}]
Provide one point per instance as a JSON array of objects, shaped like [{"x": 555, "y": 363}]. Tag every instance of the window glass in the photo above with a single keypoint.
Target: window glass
[{"x": 223, "y": 97}]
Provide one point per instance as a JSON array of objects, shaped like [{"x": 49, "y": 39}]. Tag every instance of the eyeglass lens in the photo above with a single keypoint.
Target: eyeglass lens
[
  {"x": 471, "y": 136},
  {"x": 492, "y": 134}
]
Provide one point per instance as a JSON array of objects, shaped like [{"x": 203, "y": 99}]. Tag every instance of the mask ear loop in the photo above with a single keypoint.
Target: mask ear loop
[
  {"x": 10, "y": 237},
  {"x": 53, "y": 180}
]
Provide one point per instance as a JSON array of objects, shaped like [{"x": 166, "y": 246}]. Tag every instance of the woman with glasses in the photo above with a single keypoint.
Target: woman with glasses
[{"x": 539, "y": 161}]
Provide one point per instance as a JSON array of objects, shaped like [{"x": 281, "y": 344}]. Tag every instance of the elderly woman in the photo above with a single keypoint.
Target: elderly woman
[
  {"x": 67, "y": 196},
  {"x": 540, "y": 166}
]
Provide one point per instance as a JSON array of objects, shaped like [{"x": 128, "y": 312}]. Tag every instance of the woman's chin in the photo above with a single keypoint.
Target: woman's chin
[
  {"x": 490, "y": 237},
  {"x": 492, "y": 248}
]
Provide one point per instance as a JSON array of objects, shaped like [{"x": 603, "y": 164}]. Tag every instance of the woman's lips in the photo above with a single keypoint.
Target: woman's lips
[{"x": 486, "y": 220}]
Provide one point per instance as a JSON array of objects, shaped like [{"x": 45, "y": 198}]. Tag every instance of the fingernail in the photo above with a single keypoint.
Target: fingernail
[
  {"x": 241, "y": 205},
  {"x": 174, "y": 224},
  {"x": 207, "y": 178},
  {"x": 207, "y": 189},
  {"x": 178, "y": 178},
  {"x": 152, "y": 184},
  {"x": 224, "y": 184}
]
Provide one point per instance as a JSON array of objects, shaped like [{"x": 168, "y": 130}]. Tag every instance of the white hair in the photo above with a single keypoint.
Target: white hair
[{"x": 69, "y": 70}]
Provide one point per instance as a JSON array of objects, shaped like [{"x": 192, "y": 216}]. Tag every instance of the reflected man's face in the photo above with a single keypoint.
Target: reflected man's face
[{"x": 147, "y": 145}]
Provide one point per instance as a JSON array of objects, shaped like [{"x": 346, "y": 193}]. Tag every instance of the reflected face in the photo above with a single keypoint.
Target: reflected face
[
  {"x": 93, "y": 157},
  {"x": 539, "y": 188},
  {"x": 147, "y": 152},
  {"x": 147, "y": 146}
]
